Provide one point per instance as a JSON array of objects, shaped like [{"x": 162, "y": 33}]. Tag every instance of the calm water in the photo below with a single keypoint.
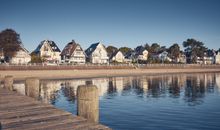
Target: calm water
[{"x": 186, "y": 101}]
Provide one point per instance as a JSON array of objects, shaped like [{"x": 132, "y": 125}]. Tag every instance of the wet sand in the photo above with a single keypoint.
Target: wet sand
[{"x": 71, "y": 74}]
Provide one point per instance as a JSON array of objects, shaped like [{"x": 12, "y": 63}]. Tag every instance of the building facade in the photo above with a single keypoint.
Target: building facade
[
  {"x": 217, "y": 58},
  {"x": 73, "y": 53},
  {"x": 21, "y": 57},
  {"x": 117, "y": 57},
  {"x": 48, "y": 51},
  {"x": 97, "y": 54}
]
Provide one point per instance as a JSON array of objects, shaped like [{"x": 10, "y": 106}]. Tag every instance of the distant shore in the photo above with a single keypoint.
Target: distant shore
[{"x": 71, "y": 74}]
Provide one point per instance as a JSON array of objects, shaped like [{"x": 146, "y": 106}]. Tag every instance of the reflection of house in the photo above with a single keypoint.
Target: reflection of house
[
  {"x": 21, "y": 57},
  {"x": 117, "y": 56},
  {"x": 145, "y": 85},
  {"x": 73, "y": 53},
  {"x": 118, "y": 83},
  {"x": 217, "y": 80},
  {"x": 49, "y": 51},
  {"x": 19, "y": 87},
  {"x": 101, "y": 84},
  {"x": 97, "y": 54},
  {"x": 74, "y": 84},
  {"x": 49, "y": 90}
]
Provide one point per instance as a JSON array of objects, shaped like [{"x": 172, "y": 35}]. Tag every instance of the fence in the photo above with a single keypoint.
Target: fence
[{"x": 105, "y": 66}]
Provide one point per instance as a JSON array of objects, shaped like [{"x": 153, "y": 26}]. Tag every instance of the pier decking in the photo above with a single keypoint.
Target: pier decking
[{"x": 18, "y": 112}]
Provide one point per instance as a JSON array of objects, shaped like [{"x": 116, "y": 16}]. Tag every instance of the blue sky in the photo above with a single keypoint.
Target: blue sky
[{"x": 113, "y": 22}]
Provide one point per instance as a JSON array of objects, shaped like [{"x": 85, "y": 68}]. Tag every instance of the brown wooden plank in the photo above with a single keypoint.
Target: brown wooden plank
[{"x": 18, "y": 112}]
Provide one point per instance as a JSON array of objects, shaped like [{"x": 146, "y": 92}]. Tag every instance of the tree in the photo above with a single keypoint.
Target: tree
[
  {"x": 194, "y": 49},
  {"x": 125, "y": 50},
  {"x": 10, "y": 42},
  {"x": 147, "y": 46},
  {"x": 155, "y": 47},
  {"x": 36, "y": 59},
  {"x": 111, "y": 50},
  {"x": 174, "y": 51}
]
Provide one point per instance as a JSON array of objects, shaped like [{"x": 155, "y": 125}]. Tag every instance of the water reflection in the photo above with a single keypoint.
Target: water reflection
[{"x": 192, "y": 88}]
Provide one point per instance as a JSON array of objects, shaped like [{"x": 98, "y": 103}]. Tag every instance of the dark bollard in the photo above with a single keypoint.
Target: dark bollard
[
  {"x": 88, "y": 102},
  {"x": 32, "y": 87},
  {"x": 8, "y": 82}
]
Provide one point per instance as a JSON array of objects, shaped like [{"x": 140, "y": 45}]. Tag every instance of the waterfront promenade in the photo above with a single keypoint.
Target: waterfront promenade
[{"x": 18, "y": 112}]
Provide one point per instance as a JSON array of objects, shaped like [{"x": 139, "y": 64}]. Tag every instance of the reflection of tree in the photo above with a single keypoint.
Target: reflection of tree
[
  {"x": 194, "y": 90},
  {"x": 138, "y": 88},
  {"x": 157, "y": 87},
  {"x": 174, "y": 87},
  {"x": 69, "y": 93},
  {"x": 111, "y": 88},
  {"x": 49, "y": 92}
]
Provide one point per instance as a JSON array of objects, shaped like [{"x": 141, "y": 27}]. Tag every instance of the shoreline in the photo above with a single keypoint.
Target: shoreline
[{"x": 79, "y": 74}]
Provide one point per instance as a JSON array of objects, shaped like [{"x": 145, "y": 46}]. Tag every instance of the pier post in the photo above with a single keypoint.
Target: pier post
[
  {"x": 8, "y": 82},
  {"x": 32, "y": 87},
  {"x": 88, "y": 102}
]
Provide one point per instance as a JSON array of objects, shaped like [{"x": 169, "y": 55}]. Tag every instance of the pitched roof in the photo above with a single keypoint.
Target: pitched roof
[
  {"x": 69, "y": 48},
  {"x": 52, "y": 44},
  {"x": 92, "y": 48},
  {"x": 114, "y": 54},
  {"x": 139, "y": 50},
  {"x": 129, "y": 54}
]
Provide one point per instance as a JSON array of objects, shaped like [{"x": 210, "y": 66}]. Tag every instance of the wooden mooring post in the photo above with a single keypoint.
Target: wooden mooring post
[
  {"x": 8, "y": 82},
  {"x": 32, "y": 87},
  {"x": 88, "y": 102}
]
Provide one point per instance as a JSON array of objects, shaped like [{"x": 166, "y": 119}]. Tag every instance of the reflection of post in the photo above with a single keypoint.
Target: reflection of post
[
  {"x": 32, "y": 87},
  {"x": 88, "y": 102},
  {"x": 8, "y": 82}
]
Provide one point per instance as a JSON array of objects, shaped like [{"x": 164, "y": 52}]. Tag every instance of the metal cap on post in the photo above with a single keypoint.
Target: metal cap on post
[
  {"x": 88, "y": 102},
  {"x": 8, "y": 82},
  {"x": 32, "y": 87}
]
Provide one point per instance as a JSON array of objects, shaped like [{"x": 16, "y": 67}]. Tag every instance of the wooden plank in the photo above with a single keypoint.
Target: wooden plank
[{"x": 18, "y": 112}]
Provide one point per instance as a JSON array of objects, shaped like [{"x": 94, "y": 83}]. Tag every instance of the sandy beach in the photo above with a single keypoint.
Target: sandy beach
[{"x": 68, "y": 74}]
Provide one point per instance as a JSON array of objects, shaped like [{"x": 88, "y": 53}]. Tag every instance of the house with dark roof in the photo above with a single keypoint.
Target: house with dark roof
[
  {"x": 118, "y": 56},
  {"x": 209, "y": 57},
  {"x": 129, "y": 56},
  {"x": 163, "y": 56},
  {"x": 141, "y": 53},
  {"x": 73, "y": 53},
  {"x": 49, "y": 51},
  {"x": 97, "y": 54}
]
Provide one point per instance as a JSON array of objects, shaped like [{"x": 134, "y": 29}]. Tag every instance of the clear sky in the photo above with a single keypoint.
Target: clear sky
[{"x": 113, "y": 22}]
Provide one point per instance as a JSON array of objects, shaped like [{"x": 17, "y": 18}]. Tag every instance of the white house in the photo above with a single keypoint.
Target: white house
[
  {"x": 21, "y": 57},
  {"x": 141, "y": 53},
  {"x": 217, "y": 58},
  {"x": 73, "y": 53},
  {"x": 49, "y": 51},
  {"x": 2, "y": 57},
  {"x": 97, "y": 54},
  {"x": 118, "y": 56},
  {"x": 181, "y": 58},
  {"x": 129, "y": 56},
  {"x": 164, "y": 56}
]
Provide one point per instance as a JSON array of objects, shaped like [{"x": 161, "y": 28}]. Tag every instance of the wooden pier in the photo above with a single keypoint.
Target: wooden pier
[{"x": 18, "y": 112}]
